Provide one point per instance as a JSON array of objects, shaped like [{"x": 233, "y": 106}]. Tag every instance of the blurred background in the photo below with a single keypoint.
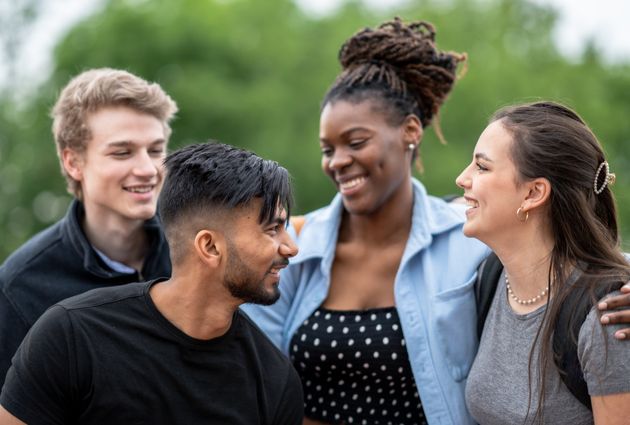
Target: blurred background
[{"x": 252, "y": 73}]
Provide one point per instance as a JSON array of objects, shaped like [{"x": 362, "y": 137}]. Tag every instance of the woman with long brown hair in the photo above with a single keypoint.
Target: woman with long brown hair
[{"x": 538, "y": 190}]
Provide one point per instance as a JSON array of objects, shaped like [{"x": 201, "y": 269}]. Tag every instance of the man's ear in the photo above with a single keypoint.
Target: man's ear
[
  {"x": 538, "y": 193},
  {"x": 412, "y": 130},
  {"x": 210, "y": 247},
  {"x": 73, "y": 163}
]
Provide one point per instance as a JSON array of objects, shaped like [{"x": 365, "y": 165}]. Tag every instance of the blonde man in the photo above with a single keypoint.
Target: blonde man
[{"x": 111, "y": 130}]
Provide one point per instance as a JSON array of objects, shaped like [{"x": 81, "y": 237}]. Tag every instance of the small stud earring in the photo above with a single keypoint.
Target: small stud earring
[{"x": 411, "y": 147}]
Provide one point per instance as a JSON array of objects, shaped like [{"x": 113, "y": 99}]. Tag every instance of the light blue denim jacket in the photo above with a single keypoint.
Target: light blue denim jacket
[{"x": 434, "y": 295}]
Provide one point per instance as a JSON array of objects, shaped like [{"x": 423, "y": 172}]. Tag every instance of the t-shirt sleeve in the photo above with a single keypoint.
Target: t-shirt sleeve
[
  {"x": 605, "y": 360},
  {"x": 290, "y": 409},
  {"x": 37, "y": 386}
]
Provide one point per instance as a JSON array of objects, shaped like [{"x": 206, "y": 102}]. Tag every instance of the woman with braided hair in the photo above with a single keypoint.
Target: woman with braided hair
[{"x": 378, "y": 309}]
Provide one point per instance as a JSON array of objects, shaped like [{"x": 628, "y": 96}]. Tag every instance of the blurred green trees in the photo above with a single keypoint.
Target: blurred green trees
[{"x": 252, "y": 74}]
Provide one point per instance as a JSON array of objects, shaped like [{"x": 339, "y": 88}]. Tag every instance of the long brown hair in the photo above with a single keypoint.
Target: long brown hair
[{"x": 552, "y": 141}]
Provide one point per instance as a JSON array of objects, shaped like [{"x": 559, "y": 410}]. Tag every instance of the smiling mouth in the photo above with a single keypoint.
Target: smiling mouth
[
  {"x": 140, "y": 189},
  {"x": 274, "y": 273},
  {"x": 278, "y": 265},
  {"x": 351, "y": 184},
  {"x": 471, "y": 203}
]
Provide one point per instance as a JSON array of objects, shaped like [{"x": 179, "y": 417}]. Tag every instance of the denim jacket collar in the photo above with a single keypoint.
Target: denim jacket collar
[{"x": 430, "y": 216}]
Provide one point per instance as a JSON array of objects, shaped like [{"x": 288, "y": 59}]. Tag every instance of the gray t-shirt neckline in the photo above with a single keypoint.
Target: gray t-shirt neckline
[{"x": 497, "y": 388}]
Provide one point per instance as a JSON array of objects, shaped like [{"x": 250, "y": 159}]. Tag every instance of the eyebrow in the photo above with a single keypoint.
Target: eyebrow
[
  {"x": 483, "y": 156},
  {"x": 348, "y": 131},
  {"x": 126, "y": 143},
  {"x": 278, "y": 219}
]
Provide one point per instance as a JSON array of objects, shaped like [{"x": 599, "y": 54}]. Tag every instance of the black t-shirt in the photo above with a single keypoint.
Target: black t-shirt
[
  {"x": 59, "y": 263},
  {"x": 109, "y": 357}
]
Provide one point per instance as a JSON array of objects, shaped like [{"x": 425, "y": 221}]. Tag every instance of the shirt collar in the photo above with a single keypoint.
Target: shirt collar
[
  {"x": 431, "y": 216},
  {"x": 77, "y": 239},
  {"x": 113, "y": 264}
]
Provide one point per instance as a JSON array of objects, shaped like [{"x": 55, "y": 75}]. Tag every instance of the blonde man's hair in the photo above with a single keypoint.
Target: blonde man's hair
[{"x": 99, "y": 88}]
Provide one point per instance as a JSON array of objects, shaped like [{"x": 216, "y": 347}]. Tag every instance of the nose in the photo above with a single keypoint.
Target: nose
[
  {"x": 145, "y": 165},
  {"x": 288, "y": 248},
  {"x": 463, "y": 180},
  {"x": 340, "y": 158}
]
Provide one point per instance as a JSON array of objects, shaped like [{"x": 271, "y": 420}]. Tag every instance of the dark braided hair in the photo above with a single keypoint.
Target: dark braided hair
[{"x": 399, "y": 66}]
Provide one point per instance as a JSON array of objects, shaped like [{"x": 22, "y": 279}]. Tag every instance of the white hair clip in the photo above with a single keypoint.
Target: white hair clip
[{"x": 608, "y": 180}]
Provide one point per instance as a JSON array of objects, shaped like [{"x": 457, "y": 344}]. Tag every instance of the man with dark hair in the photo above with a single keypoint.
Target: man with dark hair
[
  {"x": 176, "y": 351},
  {"x": 111, "y": 129}
]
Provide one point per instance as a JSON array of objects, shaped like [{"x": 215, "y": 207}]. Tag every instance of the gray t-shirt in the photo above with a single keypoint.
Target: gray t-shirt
[{"x": 497, "y": 390}]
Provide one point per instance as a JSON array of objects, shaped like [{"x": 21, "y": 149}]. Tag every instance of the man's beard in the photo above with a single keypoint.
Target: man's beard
[{"x": 244, "y": 284}]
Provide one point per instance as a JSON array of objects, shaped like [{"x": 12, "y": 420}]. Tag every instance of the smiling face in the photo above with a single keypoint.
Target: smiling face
[
  {"x": 256, "y": 252},
  {"x": 367, "y": 159},
  {"x": 490, "y": 187},
  {"x": 121, "y": 170}
]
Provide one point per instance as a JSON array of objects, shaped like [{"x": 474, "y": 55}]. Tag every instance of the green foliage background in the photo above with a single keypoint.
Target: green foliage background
[{"x": 252, "y": 73}]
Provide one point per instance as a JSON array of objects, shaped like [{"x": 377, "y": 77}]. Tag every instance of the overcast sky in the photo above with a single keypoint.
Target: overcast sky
[{"x": 605, "y": 21}]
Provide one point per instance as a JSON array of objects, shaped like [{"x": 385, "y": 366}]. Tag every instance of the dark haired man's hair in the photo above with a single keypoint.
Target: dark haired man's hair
[
  {"x": 551, "y": 141},
  {"x": 207, "y": 178},
  {"x": 399, "y": 66}
]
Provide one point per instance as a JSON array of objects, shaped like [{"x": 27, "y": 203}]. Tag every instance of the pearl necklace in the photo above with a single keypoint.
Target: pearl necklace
[{"x": 533, "y": 300}]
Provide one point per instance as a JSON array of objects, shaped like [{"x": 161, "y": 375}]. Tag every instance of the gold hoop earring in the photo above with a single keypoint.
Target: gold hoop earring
[{"x": 519, "y": 215}]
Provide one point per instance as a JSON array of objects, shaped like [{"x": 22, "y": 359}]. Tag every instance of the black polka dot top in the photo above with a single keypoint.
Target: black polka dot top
[{"x": 355, "y": 369}]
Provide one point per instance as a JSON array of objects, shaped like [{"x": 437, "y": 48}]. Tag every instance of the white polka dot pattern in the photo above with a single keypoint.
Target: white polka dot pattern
[{"x": 355, "y": 369}]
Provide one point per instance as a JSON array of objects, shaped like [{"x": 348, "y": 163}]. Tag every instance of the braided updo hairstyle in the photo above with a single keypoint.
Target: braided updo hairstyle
[{"x": 399, "y": 65}]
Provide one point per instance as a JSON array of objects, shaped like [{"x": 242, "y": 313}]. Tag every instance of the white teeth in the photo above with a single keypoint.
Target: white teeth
[
  {"x": 141, "y": 189},
  {"x": 471, "y": 203},
  {"x": 351, "y": 183}
]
